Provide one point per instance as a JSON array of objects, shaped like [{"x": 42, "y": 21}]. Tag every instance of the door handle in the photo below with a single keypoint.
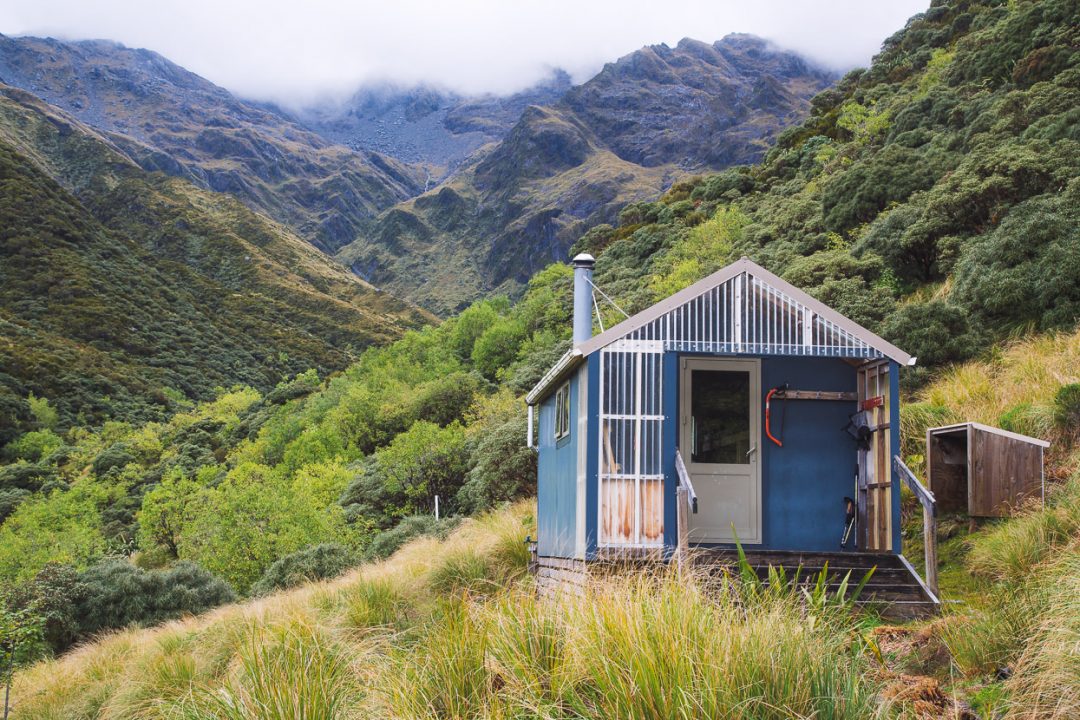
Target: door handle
[{"x": 751, "y": 451}]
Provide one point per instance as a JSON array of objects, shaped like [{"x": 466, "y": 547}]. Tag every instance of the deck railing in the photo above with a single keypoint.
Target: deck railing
[
  {"x": 686, "y": 503},
  {"x": 929, "y": 504}
]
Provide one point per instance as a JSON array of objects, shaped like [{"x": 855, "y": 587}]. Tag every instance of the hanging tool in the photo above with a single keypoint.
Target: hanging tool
[
  {"x": 849, "y": 520},
  {"x": 768, "y": 400}
]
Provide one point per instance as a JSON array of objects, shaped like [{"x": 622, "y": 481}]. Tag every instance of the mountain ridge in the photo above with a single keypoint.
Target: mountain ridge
[
  {"x": 171, "y": 120},
  {"x": 567, "y": 167},
  {"x": 119, "y": 284}
]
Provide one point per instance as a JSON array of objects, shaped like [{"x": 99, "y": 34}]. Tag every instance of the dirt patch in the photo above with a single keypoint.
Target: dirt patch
[{"x": 910, "y": 656}]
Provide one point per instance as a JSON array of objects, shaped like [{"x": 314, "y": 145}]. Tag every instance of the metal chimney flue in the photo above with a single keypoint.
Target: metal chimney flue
[{"x": 583, "y": 306}]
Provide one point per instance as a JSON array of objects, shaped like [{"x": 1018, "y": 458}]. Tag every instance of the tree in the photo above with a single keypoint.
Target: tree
[
  {"x": 255, "y": 516},
  {"x": 21, "y": 641},
  {"x": 166, "y": 510}
]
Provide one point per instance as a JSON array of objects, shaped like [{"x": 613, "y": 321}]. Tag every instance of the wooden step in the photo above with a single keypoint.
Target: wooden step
[
  {"x": 793, "y": 559},
  {"x": 893, "y": 589}
]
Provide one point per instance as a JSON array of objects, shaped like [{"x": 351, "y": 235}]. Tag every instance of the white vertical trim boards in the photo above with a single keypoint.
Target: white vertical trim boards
[
  {"x": 743, "y": 308},
  {"x": 630, "y": 508},
  {"x": 744, "y": 315}
]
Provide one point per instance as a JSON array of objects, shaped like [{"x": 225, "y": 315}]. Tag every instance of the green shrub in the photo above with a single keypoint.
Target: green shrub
[
  {"x": 318, "y": 562},
  {"x": 10, "y": 498},
  {"x": 118, "y": 594},
  {"x": 504, "y": 468},
  {"x": 472, "y": 322},
  {"x": 448, "y": 398},
  {"x": 405, "y": 477},
  {"x": 1067, "y": 406},
  {"x": 389, "y": 541},
  {"x": 1028, "y": 419},
  {"x": 114, "y": 457},
  {"x": 33, "y": 446},
  {"x": 934, "y": 332},
  {"x": 53, "y": 595},
  {"x": 498, "y": 347}
]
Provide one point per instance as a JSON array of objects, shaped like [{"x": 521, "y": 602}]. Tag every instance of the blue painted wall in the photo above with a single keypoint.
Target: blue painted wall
[
  {"x": 556, "y": 482},
  {"x": 592, "y": 458},
  {"x": 805, "y": 481}
]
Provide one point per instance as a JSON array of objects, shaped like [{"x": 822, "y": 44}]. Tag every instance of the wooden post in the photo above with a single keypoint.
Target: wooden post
[
  {"x": 930, "y": 547},
  {"x": 929, "y": 503},
  {"x": 682, "y": 529}
]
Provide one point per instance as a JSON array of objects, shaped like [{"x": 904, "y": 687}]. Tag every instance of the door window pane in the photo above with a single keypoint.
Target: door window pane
[{"x": 720, "y": 416}]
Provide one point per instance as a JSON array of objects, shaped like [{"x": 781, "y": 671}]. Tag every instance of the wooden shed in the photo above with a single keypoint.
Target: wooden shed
[{"x": 982, "y": 470}]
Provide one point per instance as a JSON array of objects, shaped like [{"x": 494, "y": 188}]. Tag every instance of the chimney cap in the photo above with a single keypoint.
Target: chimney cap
[{"x": 583, "y": 260}]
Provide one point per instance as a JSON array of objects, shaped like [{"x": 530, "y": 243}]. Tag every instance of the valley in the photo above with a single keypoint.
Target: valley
[{"x": 228, "y": 414}]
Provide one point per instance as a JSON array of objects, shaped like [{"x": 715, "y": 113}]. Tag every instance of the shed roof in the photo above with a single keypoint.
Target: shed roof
[
  {"x": 740, "y": 309},
  {"x": 962, "y": 427}
]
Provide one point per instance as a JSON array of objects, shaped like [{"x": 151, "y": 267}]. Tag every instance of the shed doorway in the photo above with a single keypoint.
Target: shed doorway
[{"x": 719, "y": 440}]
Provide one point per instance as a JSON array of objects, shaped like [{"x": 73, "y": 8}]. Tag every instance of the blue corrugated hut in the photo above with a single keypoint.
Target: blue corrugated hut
[{"x": 738, "y": 408}]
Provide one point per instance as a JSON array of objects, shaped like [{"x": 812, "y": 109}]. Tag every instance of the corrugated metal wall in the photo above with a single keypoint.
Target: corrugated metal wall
[{"x": 743, "y": 316}]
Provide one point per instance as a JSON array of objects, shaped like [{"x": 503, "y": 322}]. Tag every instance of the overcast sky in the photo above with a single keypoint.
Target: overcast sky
[{"x": 295, "y": 51}]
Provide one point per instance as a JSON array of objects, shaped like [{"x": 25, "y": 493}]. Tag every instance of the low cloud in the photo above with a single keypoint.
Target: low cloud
[{"x": 300, "y": 52}]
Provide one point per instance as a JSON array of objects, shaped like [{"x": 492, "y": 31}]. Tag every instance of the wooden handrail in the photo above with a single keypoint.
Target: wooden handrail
[
  {"x": 925, "y": 496},
  {"x": 686, "y": 500},
  {"x": 684, "y": 480},
  {"x": 929, "y": 503}
]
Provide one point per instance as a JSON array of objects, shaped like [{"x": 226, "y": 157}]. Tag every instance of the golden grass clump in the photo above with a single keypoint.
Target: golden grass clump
[{"x": 1046, "y": 684}]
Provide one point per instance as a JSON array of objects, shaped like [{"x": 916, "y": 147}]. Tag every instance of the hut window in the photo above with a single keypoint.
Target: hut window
[{"x": 562, "y": 411}]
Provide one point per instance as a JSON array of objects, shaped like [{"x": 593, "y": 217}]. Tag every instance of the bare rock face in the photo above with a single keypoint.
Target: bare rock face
[
  {"x": 697, "y": 106},
  {"x": 437, "y": 128}
]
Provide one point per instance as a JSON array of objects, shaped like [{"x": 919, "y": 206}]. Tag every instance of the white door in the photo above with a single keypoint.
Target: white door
[{"x": 719, "y": 442}]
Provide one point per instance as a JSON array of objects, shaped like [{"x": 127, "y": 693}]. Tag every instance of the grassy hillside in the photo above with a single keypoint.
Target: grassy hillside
[
  {"x": 450, "y": 628},
  {"x": 125, "y": 292},
  {"x": 170, "y": 120}
]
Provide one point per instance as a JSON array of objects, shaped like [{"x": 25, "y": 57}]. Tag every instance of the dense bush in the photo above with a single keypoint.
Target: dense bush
[
  {"x": 935, "y": 332},
  {"x": 387, "y": 542},
  {"x": 117, "y": 594},
  {"x": 1067, "y": 406},
  {"x": 503, "y": 468},
  {"x": 317, "y": 562}
]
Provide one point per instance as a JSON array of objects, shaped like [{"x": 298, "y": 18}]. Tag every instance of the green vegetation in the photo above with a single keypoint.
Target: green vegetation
[
  {"x": 127, "y": 295},
  {"x": 932, "y": 197},
  {"x": 388, "y": 641}
]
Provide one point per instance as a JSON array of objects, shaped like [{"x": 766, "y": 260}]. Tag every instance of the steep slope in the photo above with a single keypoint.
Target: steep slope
[
  {"x": 423, "y": 125},
  {"x": 623, "y": 136},
  {"x": 118, "y": 286},
  {"x": 169, "y": 119},
  {"x": 934, "y": 197}
]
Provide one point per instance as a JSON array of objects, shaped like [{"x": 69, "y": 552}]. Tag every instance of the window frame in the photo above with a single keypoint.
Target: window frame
[{"x": 562, "y": 411}]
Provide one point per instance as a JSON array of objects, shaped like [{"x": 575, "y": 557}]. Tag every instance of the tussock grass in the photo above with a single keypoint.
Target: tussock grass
[
  {"x": 1015, "y": 386},
  {"x": 1047, "y": 679},
  {"x": 451, "y": 629},
  {"x": 639, "y": 648},
  {"x": 1011, "y": 549}
]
